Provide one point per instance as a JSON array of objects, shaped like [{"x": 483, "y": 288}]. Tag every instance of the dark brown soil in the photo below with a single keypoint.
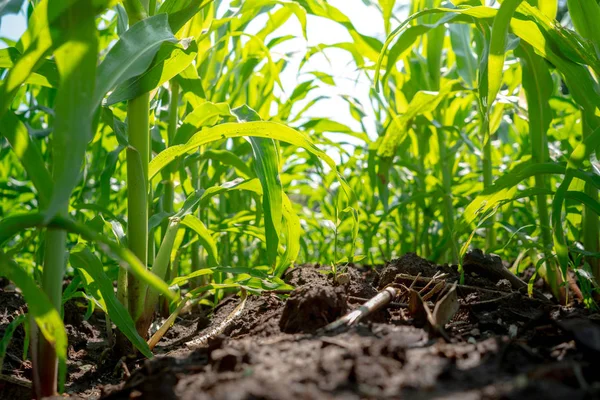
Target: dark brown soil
[{"x": 502, "y": 345}]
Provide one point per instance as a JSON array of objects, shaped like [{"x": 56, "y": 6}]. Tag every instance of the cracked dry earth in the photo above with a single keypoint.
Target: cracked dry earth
[{"x": 503, "y": 345}]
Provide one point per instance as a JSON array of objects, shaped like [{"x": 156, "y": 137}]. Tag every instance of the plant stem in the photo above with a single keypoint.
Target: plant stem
[
  {"x": 160, "y": 267},
  {"x": 487, "y": 174},
  {"x": 591, "y": 222},
  {"x": 52, "y": 279},
  {"x": 446, "y": 168},
  {"x": 168, "y": 184},
  {"x": 138, "y": 155}
]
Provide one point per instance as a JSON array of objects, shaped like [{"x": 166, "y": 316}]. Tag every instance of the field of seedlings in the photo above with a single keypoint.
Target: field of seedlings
[{"x": 299, "y": 199}]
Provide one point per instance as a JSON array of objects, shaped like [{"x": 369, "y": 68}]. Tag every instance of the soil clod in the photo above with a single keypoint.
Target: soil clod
[{"x": 310, "y": 308}]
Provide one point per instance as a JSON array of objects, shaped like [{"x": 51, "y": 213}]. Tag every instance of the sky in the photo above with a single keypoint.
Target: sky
[{"x": 339, "y": 64}]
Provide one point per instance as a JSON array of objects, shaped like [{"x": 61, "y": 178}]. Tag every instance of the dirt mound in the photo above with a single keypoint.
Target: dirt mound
[{"x": 312, "y": 307}]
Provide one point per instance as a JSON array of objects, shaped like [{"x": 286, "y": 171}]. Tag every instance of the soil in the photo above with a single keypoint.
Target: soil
[{"x": 500, "y": 344}]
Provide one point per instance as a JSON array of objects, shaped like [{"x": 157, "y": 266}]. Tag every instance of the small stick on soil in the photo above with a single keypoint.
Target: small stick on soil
[
  {"x": 380, "y": 300},
  {"x": 392, "y": 304},
  {"x": 422, "y": 279},
  {"x": 203, "y": 340},
  {"x": 436, "y": 276},
  {"x": 415, "y": 281}
]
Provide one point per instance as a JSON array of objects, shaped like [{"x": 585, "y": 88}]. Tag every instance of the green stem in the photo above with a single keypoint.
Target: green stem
[
  {"x": 52, "y": 279},
  {"x": 160, "y": 266},
  {"x": 168, "y": 198},
  {"x": 446, "y": 168},
  {"x": 487, "y": 174},
  {"x": 591, "y": 222},
  {"x": 138, "y": 155}
]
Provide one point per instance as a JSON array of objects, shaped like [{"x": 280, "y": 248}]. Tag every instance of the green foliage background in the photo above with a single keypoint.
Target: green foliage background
[{"x": 153, "y": 143}]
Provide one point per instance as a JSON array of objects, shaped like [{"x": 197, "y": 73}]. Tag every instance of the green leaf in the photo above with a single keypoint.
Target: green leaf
[
  {"x": 40, "y": 308},
  {"x": 505, "y": 187},
  {"x": 41, "y": 36},
  {"x": 204, "y": 236},
  {"x": 170, "y": 60},
  {"x": 46, "y": 75},
  {"x": 76, "y": 62},
  {"x": 98, "y": 285},
  {"x": 227, "y": 157},
  {"x": 8, "y": 334},
  {"x": 538, "y": 85},
  {"x": 161, "y": 263},
  {"x": 585, "y": 15},
  {"x": 10, "y": 226},
  {"x": 264, "y": 129},
  {"x": 28, "y": 153},
  {"x": 180, "y": 12},
  {"x": 182, "y": 279},
  {"x": 293, "y": 231},
  {"x": 206, "y": 114},
  {"x": 466, "y": 63},
  {"x": 132, "y": 54},
  {"x": 422, "y": 102},
  {"x": 266, "y": 166},
  {"x": 498, "y": 47}
]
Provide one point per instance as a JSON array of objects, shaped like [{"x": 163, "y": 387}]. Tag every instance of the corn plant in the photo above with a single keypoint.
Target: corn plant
[
  {"x": 100, "y": 94},
  {"x": 149, "y": 153}
]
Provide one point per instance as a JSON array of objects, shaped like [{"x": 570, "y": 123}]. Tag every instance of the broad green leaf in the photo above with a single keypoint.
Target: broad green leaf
[
  {"x": 41, "y": 36},
  {"x": 548, "y": 7},
  {"x": 205, "y": 114},
  {"x": 498, "y": 47},
  {"x": 191, "y": 85},
  {"x": 46, "y": 75},
  {"x": 204, "y": 236},
  {"x": 132, "y": 54},
  {"x": 40, "y": 308},
  {"x": 585, "y": 15},
  {"x": 170, "y": 60},
  {"x": 577, "y": 77},
  {"x": 180, "y": 12},
  {"x": 565, "y": 43},
  {"x": 266, "y": 166},
  {"x": 252, "y": 185},
  {"x": 182, "y": 279},
  {"x": 98, "y": 285},
  {"x": 422, "y": 102},
  {"x": 505, "y": 187},
  {"x": 293, "y": 231},
  {"x": 387, "y": 8},
  {"x": 466, "y": 63},
  {"x": 584, "y": 199},
  {"x": 269, "y": 130},
  {"x": 537, "y": 84},
  {"x": 227, "y": 157},
  {"x": 76, "y": 62}
]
